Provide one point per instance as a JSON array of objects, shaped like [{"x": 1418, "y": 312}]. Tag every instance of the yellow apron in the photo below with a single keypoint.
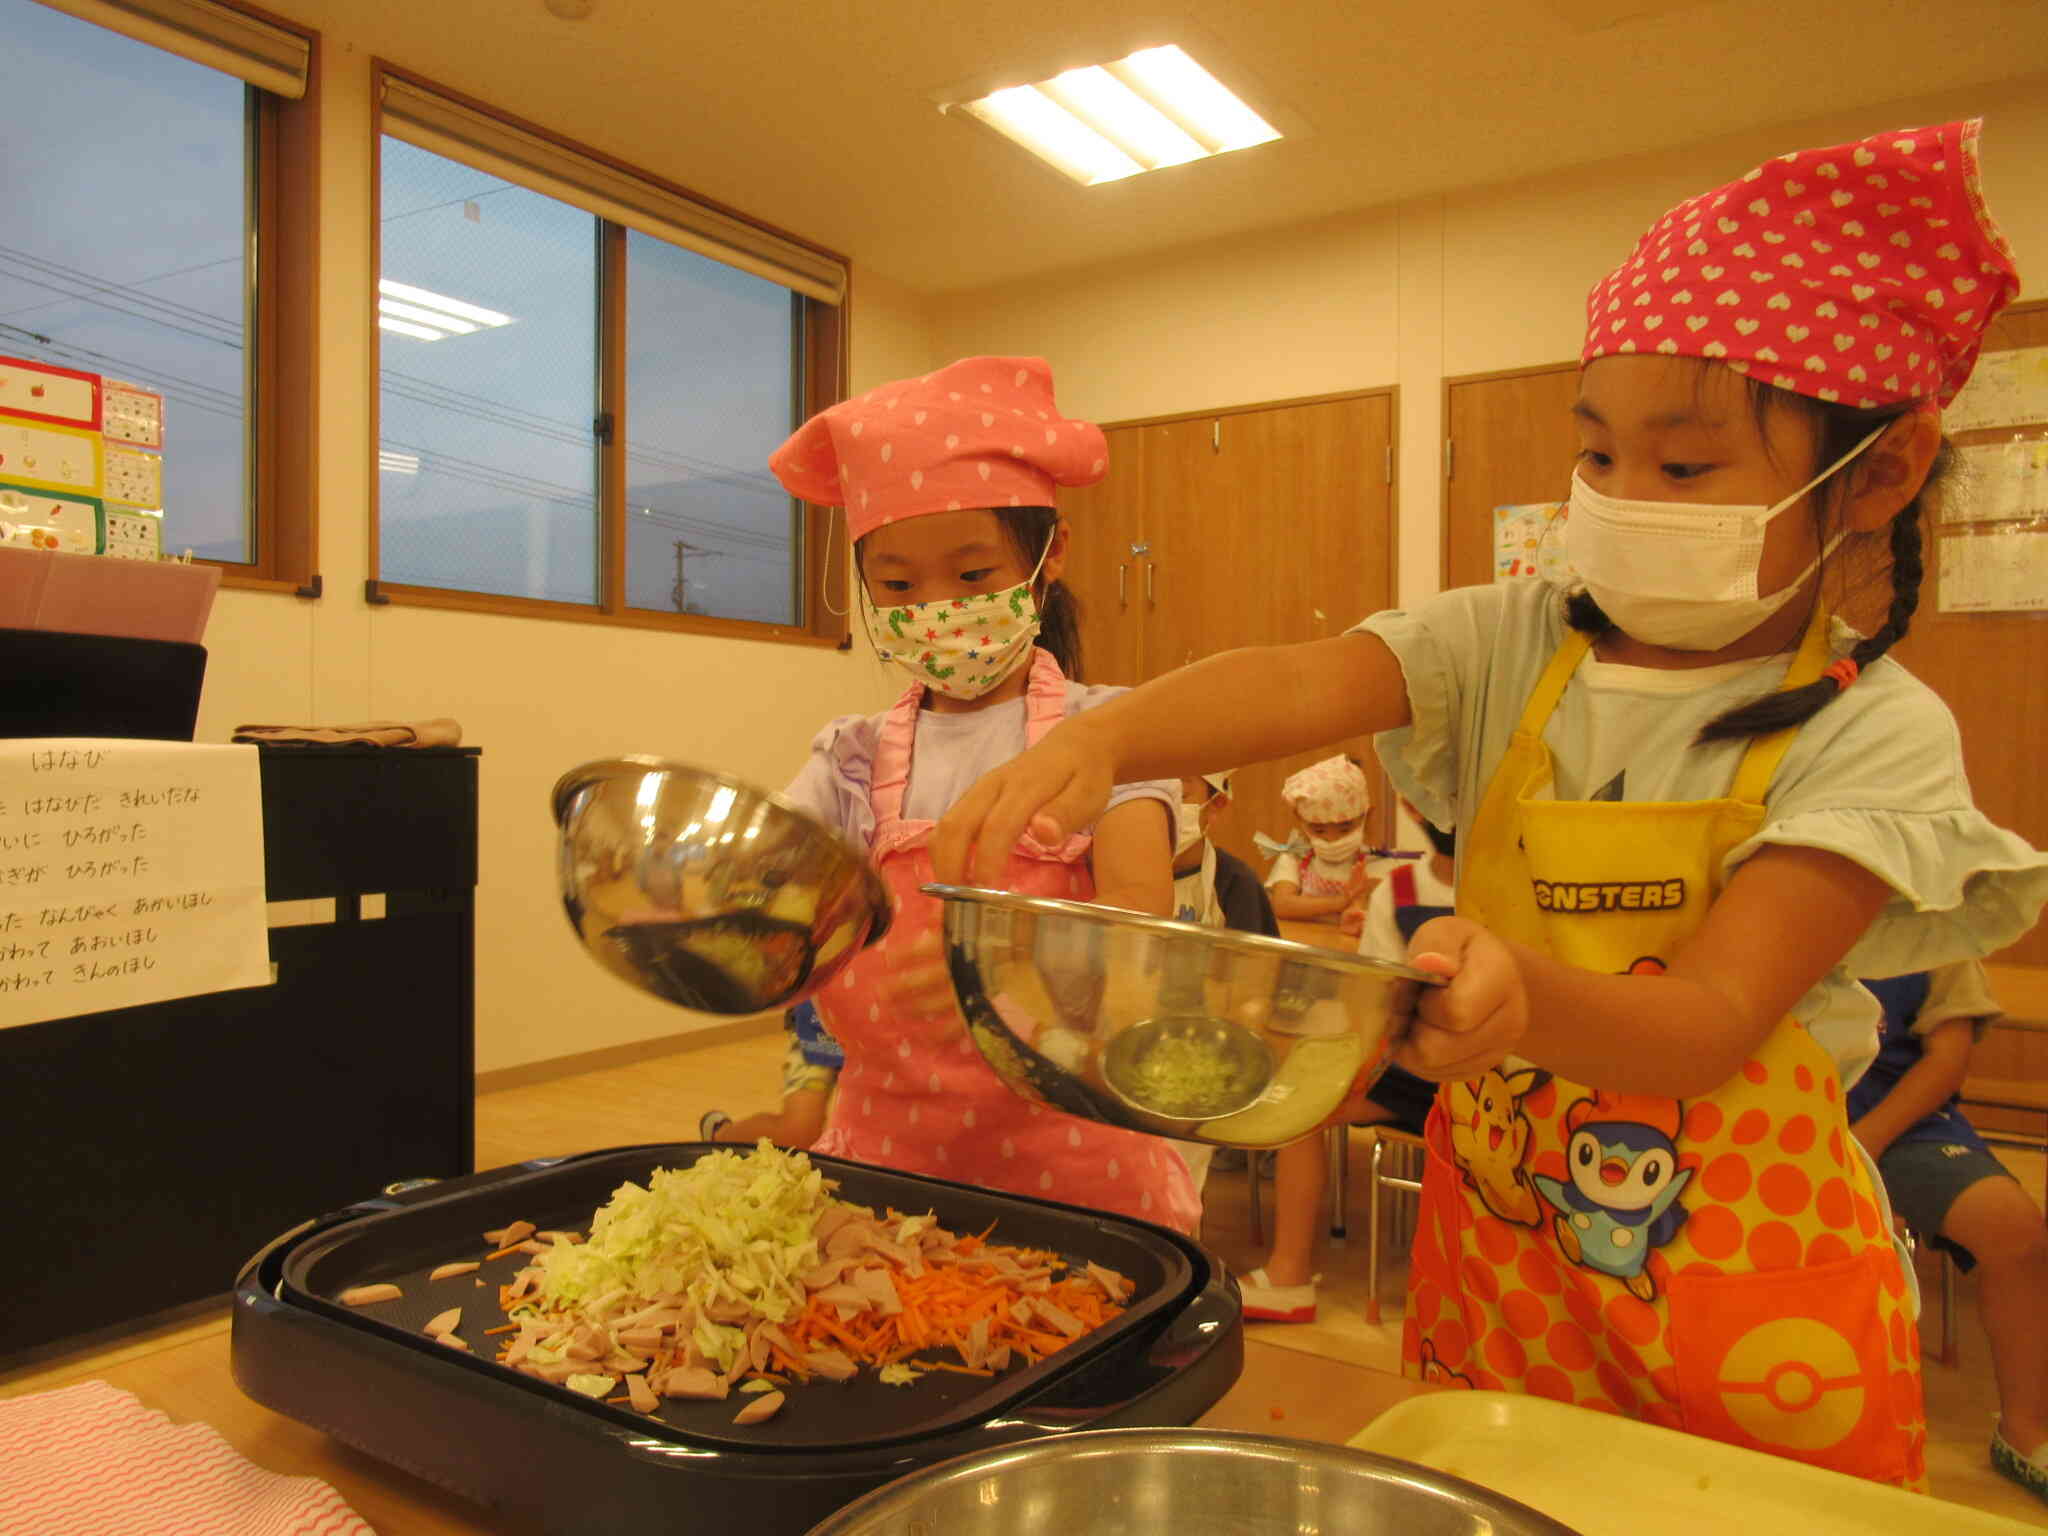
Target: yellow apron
[{"x": 1716, "y": 1265}]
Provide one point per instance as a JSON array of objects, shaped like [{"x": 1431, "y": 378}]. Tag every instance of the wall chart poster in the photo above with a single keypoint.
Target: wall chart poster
[{"x": 1528, "y": 540}]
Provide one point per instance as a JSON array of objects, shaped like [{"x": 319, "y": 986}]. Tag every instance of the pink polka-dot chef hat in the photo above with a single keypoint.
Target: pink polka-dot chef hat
[
  {"x": 1864, "y": 273},
  {"x": 1334, "y": 789},
  {"x": 982, "y": 432}
]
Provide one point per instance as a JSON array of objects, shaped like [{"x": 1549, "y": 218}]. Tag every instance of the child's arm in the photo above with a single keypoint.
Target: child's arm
[
  {"x": 1923, "y": 1088},
  {"x": 1289, "y": 903},
  {"x": 1784, "y": 921},
  {"x": 1241, "y": 707},
  {"x": 1133, "y": 858}
]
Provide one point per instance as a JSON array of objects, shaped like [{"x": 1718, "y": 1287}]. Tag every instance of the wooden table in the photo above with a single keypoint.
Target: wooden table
[
  {"x": 1325, "y": 935},
  {"x": 183, "y": 1370}
]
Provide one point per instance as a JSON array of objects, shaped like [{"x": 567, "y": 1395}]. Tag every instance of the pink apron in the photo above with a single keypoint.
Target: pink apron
[{"x": 915, "y": 1093}]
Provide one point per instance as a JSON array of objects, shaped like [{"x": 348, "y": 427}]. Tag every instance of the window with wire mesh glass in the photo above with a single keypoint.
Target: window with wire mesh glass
[
  {"x": 135, "y": 183},
  {"x": 577, "y": 416}
]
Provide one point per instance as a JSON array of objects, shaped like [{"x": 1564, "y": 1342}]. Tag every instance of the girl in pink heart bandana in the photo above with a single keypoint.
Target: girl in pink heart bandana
[
  {"x": 948, "y": 484},
  {"x": 1694, "y": 801}
]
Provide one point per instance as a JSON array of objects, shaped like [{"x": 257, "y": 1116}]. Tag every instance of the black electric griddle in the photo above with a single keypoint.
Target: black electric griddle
[{"x": 551, "y": 1459}]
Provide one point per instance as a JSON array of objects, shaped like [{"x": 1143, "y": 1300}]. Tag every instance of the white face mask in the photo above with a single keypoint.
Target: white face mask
[
  {"x": 1682, "y": 574},
  {"x": 959, "y": 646},
  {"x": 1338, "y": 850},
  {"x": 1191, "y": 831}
]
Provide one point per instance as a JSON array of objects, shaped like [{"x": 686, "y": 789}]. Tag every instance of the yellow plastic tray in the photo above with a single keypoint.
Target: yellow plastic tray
[{"x": 1606, "y": 1476}]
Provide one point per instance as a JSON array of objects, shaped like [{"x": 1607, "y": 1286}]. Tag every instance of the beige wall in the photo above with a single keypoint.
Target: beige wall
[
  {"x": 1392, "y": 296},
  {"x": 1479, "y": 281},
  {"x": 538, "y": 696}
]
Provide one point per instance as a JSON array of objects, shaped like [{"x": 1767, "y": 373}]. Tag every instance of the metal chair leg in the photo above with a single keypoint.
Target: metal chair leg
[
  {"x": 1372, "y": 1232},
  {"x": 1340, "y": 1179},
  {"x": 1251, "y": 1173},
  {"x": 1950, "y": 1345}
]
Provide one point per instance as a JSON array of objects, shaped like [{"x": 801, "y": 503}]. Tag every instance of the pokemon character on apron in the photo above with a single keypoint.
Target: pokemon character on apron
[
  {"x": 1716, "y": 1264},
  {"x": 936, "y": 1107}
]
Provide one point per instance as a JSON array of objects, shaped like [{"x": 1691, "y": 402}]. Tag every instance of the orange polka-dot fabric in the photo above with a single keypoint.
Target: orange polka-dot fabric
[{"x": 1716, "y": 1265}]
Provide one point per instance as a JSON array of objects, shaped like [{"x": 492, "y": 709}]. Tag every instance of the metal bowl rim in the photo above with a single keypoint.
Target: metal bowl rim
[
  {"x": 1166, "y": 927},
  {"x": 1084, "y": 1443},
  {"x": 604, "y": 769}
]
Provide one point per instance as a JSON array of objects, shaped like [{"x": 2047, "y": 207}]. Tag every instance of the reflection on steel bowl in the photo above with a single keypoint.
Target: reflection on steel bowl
[
  {"x": 1193, "y": 1482},
  {"x": 706, "y": 891},
  {"x": 1186, "y": 1031}
]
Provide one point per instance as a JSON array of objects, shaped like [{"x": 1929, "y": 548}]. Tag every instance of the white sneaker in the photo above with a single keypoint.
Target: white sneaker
[{"x": 1265, "y": 1302}]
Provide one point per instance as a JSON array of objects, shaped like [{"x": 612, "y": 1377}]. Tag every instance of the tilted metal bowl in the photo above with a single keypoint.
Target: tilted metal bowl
[
  {"x": 1190, "y": 1482},
  {"x": 1206, "y": 1034},
  {"x": 706, "y": 891}
]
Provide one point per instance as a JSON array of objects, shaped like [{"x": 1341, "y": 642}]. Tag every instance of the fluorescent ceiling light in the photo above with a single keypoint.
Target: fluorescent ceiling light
[
  {"x": 1124, "y": 117},
  {"x": 1196, "y": 97},
  {"x": 421, "y": 316},
  {"x": 407, "y": 328},
  {"x": 393, "y": 462},
  {"x": 429, "y": 316},
  {"x": 1054, "y": 134},
  {"x": 1155, "y": 108},
  {"x": 441, "y": 303}
]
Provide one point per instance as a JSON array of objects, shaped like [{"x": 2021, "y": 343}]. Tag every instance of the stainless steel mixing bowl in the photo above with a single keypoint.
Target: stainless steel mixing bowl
[
  {"x": 1206, "y": 1034},
  {"x": 1189, "y": 1482},
  {"x": 706, "y": 891}
]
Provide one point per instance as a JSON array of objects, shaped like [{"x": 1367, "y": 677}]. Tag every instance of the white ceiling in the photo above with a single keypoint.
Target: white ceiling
[{"x": 820, "y": 115}]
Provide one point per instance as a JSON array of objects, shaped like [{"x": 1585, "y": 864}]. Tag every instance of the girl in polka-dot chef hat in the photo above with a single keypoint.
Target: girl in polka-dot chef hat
[
  {"x": 949, "y": 484},
  {"x": 1693, "y": 799}
]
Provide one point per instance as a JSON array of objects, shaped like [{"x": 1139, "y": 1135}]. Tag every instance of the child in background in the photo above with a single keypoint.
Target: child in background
[
  {"x": 1283, "y": 1289},
  {"x": 1212, "y": 885},
  {"x": 810, "y": 1069},
  {"x": 1694, "y": 800},
  {"x": 948, "y": 484},
  {"x": 1329, "y": 884},
  {"x": 1951, "y": 1190}
]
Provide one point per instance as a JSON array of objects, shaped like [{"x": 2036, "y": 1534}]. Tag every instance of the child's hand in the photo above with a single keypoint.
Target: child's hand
[
  {"x": 1053, "y": 790},
  {"x": 1353, "y": 920},
  {"x": 1479, "y": 1018}
]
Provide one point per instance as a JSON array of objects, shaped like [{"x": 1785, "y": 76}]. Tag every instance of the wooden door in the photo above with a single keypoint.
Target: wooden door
[
  {"x": 1104, "y": 520},
  {"x": 1992, "y": 671},
  {"x": 1511, "y": 442},
  {"x": 1269, "y": 526}
]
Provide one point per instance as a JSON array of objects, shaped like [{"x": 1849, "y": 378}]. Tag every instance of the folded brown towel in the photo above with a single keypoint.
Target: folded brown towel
[{"x": 372, "y": 733}]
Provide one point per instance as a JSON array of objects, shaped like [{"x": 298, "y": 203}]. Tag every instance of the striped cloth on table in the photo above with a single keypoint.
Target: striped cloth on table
[{"x": 92, "y": 1460}]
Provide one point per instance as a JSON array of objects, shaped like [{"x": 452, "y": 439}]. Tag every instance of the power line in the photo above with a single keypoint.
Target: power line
[
  {"x": 172, "y": 389},
  {"x": 181, "y": 316}
]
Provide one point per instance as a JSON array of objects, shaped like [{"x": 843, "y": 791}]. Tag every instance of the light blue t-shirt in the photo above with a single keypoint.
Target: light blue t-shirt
[{"x": 1876, "y": 776}]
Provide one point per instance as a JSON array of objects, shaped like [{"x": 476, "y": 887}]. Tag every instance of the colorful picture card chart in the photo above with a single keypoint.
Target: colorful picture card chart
[
  {"x": 50, "y": 458},
  {"x": 131, "y": 414},
  {"x": 33, "y": 519},
  {"x": 44, "y": 392}
]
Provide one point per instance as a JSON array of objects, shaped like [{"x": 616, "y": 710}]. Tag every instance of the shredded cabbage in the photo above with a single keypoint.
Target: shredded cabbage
[{"x": 732, "y": 1230}]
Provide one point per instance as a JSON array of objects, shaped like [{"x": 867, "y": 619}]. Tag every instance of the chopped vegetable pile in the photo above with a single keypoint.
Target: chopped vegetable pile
[
  {"x": 742, "y": 1273},
  {"x": 1184, "y": 1075}
]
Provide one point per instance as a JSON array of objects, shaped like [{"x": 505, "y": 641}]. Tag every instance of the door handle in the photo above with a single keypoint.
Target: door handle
[
  {"x": 1123, "y": 575},
  {"x": 1151, "y": 586}
]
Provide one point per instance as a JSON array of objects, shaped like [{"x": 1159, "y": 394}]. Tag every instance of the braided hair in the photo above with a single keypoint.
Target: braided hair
[{"x": 1840, "y": 428}]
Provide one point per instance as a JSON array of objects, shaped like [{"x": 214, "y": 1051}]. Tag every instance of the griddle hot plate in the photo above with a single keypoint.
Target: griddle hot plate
[{"x": 552, "y": 1459}]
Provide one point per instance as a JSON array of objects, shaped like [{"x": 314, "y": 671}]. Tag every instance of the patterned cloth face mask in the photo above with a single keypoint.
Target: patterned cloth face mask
[{"x": 959, "y": 646}]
